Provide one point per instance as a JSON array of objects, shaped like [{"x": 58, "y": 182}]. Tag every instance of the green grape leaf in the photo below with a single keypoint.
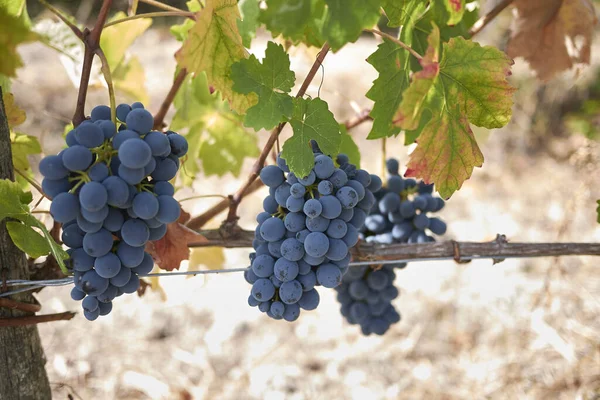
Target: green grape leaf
[
  {"x": 346, "y": 20},
  {"x": 392, "y": 63},
  {"x": 598, "y": 211},
  {"x": 448, "y": 12},
  {"x": 116, "y": 39},
  {"x": 212, "y": 46},
  {"x": 22, "y": 146},
  {"x": 296, "y": 20},
  {"x": 311, "y": 120},
  {"x": 14, "y": 30},
  {"x": 14, "y": 204},
  {"x": 469, "y": 86},
  {"x": 271, "y": 81},
  {"x": 349, "y": 147},
  {"x": 181, "y": 31},
  {"x": 411, "y": 108},
  {"x": 211, "y": 124},
  {"x": 129, "y": 78},
  {"x": 402, "y": 12},
  {"x": 27, "y": 239},
  {"x": 249, "y": 10}
]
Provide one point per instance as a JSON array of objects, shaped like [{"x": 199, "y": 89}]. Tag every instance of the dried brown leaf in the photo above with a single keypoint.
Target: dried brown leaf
[{"x": 552, "y": 35}]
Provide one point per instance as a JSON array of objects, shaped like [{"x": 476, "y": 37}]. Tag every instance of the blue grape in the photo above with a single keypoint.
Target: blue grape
[
  {"x": 402, "y": 231},
  {"x": 358, "y": 188},
  {"x": 377, "y": 280},
  {"x": 77, "y": 158},
  {"x": 159, "y": 144},
  {"x": 93, "y": 196},
  {"x": 122, "y": 111},
  {"x": 407, "y": 209},
  {"x": 81, "y": 261},
  {"x": 139, "y": 120},
  {"x": 437, "y": 226},
  {"x": 145, "y": 205},
  {"x": 263, "y": 265},
  {"x": 114, "y": 221},
  {"x": 301, "y": 235},
  {"x": 282, "y": 193},
  {"x": 292, "y": 312},
  {"x": 165, "y": 170},
  {"x": 376, "y": 223},
  {"x": 318, "y": 224},
  {"x": 263, "y": 289},
  {"x": 146, "y": 266},
  {"x": 179, "y": 146},
  {"x": 358, "y": 219},
  {"x": 91, "y": 316},
  {"x": 275, "y": 248},
  {"x": 337, "y": 229},
  {"x": 314, "y": 261},
  {"x": 135, "y": 153},
  {"x": 108, "y": 295},
  {"x": 338, "y": 178},
  {"x": 93, "y": 284},
  {"x": 421, "y": 221},
  {"x": 72, "y": 236},
  {"x": 53, "y": 187},
  {"x": 316, "y": 244},
  {"x": 285, "y": 270},
  {"x": 100, "y": 113},
  {"x": 108, "y": 265},
  {"x": 70, "y": 138},
  {"x": 52, "y": 167},
  {"x": 292, "y": 249},
  {"x": 351, "y": 237},
  {"x": 325, "y": 188},
  {"x": 168, "y": 209},
  {"x": 64, "y": 207},
  {"x": 132, "y": 176},
  {"x": 164, "y": 187},
  {"x": 324, "y": 166},
  {"x": 331, "y": 207},
  {"x": 122, "y": 277},
  {"x": 133, "y": 284},
  {"x": 252, "y": 302},
  {"x": 309, "y": 300},
  {"x": 393, "y": 166},
  {"x": 270, "y": 205},
  {"x": 105, "y": 308},
  {"x": 117, "y": 191},
  {"x": 358, "y": 290},
  {"x": 308, "y": 179},
  {"x": 277, "y": 308},
  {"x": 375, "y": 184},
  {"x": 313, "y": 208},
  {"x": 109, "y": 129},
  {"x": 135, "y": 232},
  {"x": 308, "y": 280},
  {"x": 95, "y": 216},
  {"x": 347, "y": 196},
  {"x": 137, "y": 104},
  {"x": 77, "y": 294},
  {"x": 337, "y": 250},
  {"x": 272, "y": 229},
  {"x": 294, "y": 204},
  {"x": 282, "y": 164},
  {"x": 98, "y": 172},
  {"x": 98, "y": 243},
  {"x": 329, "y": 275},
  {"x": 123, "y": 136},
  {"x": 158, "y": 232},
  {"x": 290, "y": 292},
  {"x": 89, "y": 135}
]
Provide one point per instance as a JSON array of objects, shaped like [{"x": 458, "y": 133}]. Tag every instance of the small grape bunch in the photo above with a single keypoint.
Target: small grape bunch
[
  {"x": 400, "y": 215},
  {"x": 304, "y": 235},
  {"x": 110, "y": 189},
  {"x": 366, "y": 297}
]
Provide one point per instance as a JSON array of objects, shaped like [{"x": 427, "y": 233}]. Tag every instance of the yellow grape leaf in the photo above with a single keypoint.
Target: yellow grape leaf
[
  {"x": 212, "y": 46},
  {"x": 552, "y": 35},
  {"x": 210, "y": 257},
  {"x": 14, "y": 30},
  {"x": 15, "y": 115},
  {"x": 129, "y": 78},
  {"x": 116, "y": 39}
]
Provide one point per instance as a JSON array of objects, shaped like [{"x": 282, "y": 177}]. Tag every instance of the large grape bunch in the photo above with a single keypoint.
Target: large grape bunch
[
  {"x": 366, "y": 297},
  {"x": 110, "y": 189},
  {"x": 304, "y": 235},
  {"x": 400, "y": 215}
]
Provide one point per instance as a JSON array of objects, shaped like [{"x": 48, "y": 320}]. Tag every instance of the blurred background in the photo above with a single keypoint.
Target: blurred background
[{"x": 521, "y": 329}]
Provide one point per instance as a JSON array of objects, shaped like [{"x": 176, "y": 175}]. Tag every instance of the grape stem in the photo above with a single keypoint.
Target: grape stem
[
  {"x": 91, "y": 40},
  {"x": 163, "y": 6},
  {"x": 397, "y": 41},
  {"x": 31, "y": 182},
  {"x": 159, "y": 117},
  {"x": 187, "y": 14},
  {"x": 236, "y": 198},
  {"x": 105, "y": 68},
  {"x": 487, "y": 18}
]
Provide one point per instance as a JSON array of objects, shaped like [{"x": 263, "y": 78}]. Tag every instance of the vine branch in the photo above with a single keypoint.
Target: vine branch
[
  {"x": 497, "y": 249},
  {"x": 487, "y": 18},
  {"x": 260, "y": 162},
  {"x": 17, "y": 305},
  {"x": 35, "y": 319},
  {"x": 91, "y": 40},
  {"x": 159, "y": 118}
]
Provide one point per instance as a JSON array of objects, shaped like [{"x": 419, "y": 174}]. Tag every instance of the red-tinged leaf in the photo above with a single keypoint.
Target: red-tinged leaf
[
  {"x": 414, "y": 97},
  {"x": 471, "y": 87},
  {"x": 446, "y": 153},
  {"x": 172, "y": 249}
]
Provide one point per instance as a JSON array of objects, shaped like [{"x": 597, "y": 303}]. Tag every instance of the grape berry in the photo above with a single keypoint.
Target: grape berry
[{"x": 110, "y": 190}]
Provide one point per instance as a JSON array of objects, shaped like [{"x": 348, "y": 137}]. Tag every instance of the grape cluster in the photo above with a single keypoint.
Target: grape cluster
[
  {"x": 110, "y": 189},
  {"x": 366, "y": 297},
  {"x": 400, "y": 215},
  {"x": 304, "y": 235}
]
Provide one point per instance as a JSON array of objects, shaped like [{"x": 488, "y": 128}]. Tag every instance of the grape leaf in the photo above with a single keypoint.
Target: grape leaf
[
  {"x": 14, "y": 204},
  {"x": 469, "y": 86},
  {"x": 169, "y": 251},
  {"x": 129, "y": 78},
  {"x": 349, "y": 147},
  {"x": 402, "y": 12},
  {"x": 271, "y": 81},
  {"x": 14, "y": 30},
  {"x": 248, "y": 25},
  {"x": 448, "y": 12},
  {"x": 116, "y": 39},
  {"x": 27, "y": 239},
  {"x": 552, "y": 35},
  {"x": 15, "y": 115},
  {"x": 212, "y": 46},
  {"x": 311, "y": 120},
  {"x": 296, "y": 20},
  {"x": 22, "y": 146},
  {"x": 392, "y": 63},
  {"x": 181, "y": 31},
  {"x": 346, "y": 20},
  {"x": 211, "y": 124},
  {"x": 598, "y": 211},
  {"x": 210, "y": 257}
]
